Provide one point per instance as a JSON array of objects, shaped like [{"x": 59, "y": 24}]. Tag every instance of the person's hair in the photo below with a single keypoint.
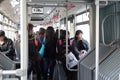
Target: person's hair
[
  {"x": 30, "y": 26},
  {"x": 16, "y": 31},
  {"x": 2, "y": 33},
  {"x": 62, "y": 34},
  {"x": 50, "y": 34},
  {"x": 68, "y": 33},
  {"x": 41, "y": 31},
  {"x": 56, "y": 33},
  {"x": 77, "y": 33}
]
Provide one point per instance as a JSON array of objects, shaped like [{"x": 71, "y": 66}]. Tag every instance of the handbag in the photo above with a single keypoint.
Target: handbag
[
  {"x": 71, "y": 60},
  {"x": 41, "y": 51},
  {"x": 82, "y": 54}
]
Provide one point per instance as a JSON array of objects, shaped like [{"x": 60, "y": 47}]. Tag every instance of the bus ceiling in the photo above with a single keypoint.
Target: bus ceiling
[
  {"x": 52, "y": 7},
  {"x": 57, "y": 3},
  {"x": 10, "y": 9}
]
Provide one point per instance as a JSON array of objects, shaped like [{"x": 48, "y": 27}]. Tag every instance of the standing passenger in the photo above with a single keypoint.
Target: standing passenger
[
  {"x": 61, "y": 56},
  {"x": 50, "y": 53},
  {"x": 40, "y": 40},
  {"x": 17, "y": 37},
  {"x": 41, "y": 36},
  {"x": 17, "y": 45},
  {"x": 33, "y": 53}
]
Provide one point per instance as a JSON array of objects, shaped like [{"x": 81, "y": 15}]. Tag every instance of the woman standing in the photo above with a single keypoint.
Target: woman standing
[{"x": 49, "y": 53}]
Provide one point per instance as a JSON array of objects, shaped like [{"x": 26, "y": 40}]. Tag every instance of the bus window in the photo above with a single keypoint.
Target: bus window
[
  {"x": 83, "y": 17},
  {"x": 1, "y": 17},
  {"x": 79, "y": 18},
  {"x": 0, "y": 27}
]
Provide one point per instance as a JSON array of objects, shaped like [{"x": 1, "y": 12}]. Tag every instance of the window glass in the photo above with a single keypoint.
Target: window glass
[
  {"x": 86, "y": 16},
  {"x": 63, "y": 27},
  {"x": 11, "y": 35},
  {"x": 69, "y": 26},
  {"x": 6, "y": 30},
  {"x": 1, "y": 17},
  {"x": 83, "y": 17},
  {"x": 79, "y": 18},
  {"x": 5, "y": 20},
  {"x": 0, "y": 27},
  {"x": 10, "y": 22}
]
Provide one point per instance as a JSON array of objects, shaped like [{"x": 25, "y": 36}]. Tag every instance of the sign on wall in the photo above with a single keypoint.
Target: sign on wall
[{"x": 37, "y": 10}]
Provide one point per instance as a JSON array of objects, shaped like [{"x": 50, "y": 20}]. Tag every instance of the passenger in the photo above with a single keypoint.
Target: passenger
[
  {"x": 40, "y": 40},
  {"x": 7, "y": 46},
  {"x": 37, "y": 35},
  {"x": 41, "y": 35},
  {"x": 50, "y": 53},
  {"x": 17, "y": 45},
  {"x": 56, "y": 34},
  {"x": 37, "y": 44},
  {"x": 79, "y": 44},
  {"x": 61, "y": 46},
  {"x": 17, "y": 37},
  {"x": 33, "y": 54}
]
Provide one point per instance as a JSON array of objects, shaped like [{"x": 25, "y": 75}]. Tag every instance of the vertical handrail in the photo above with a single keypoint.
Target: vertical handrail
[
  {"x": 67, "y": 40},
  {"x": 1, "y": 75},
  {"x": 66, "y": 33},
  {"x": 119, "y": 77},
  {"x": 59, "y": 27},
  {"x": 97, "y": 41},
  {"x": 75, "y": 22},
  {"x": 24, "y": 38},
  {"x": 78, "y": 72}
]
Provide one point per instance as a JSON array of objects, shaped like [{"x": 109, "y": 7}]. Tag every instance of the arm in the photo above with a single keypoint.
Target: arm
[
  {"x": 75, "y": 49},
  {"x": 11, "y": 51},
  {"x": 86, "y": 45}
]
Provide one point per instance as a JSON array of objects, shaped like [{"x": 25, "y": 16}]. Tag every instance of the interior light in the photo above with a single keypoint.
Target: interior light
[
  {"x": 48, "y": 11},
  {"x": 14, "y": 3},
  {"x": 30, "y": 0}
]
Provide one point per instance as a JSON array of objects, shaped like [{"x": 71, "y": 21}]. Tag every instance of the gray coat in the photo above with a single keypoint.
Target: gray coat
[{"x": 77, "y": 46}]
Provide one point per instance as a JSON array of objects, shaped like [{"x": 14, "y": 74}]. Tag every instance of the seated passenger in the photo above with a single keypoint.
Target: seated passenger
[
  {"x": 6, "y": 46},
  {"x": 80, "y": 45}
]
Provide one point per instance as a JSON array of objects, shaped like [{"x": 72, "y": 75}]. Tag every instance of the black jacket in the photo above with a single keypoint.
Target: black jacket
[
  {"x": 32, "y": 49},
  {"x": 50, "y": 49},
  {"x": 8, "y": 48},
  {"x": 61, "y": 49}
]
